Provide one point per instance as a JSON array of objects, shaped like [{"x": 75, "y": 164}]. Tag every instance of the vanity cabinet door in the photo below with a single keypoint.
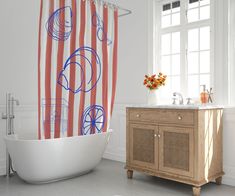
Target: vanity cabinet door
[
  {"x": 143, "y": 146},
  {"x": 176, "y": 154}
]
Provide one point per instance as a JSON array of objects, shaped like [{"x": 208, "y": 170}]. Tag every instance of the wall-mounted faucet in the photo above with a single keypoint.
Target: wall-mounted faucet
[
  {"x": 181, "y": 100},
  {"x": 9, "y": 117}
]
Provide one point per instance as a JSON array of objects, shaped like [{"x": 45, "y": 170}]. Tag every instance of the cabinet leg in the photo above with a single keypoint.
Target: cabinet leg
[
  {"x": 129, "y": 174},
  {"x": 218, "y": 180},
  {"x": 196, "y": 191}
]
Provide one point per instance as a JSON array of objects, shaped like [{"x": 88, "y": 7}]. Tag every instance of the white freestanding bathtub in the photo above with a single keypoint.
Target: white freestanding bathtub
[{"x": 42, "y": 161}]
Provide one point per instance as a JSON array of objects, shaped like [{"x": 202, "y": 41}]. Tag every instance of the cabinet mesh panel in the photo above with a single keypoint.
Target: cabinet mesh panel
[
  {"x": 176, "y": 150},
  {"x": 143, "y": 145}
]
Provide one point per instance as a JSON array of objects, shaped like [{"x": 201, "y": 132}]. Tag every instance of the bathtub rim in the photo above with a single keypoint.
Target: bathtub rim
[{"x": 12, "y": 137}]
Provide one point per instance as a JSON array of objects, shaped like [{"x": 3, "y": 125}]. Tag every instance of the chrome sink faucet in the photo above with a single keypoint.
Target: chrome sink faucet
[{"x": 181, "y": 100}]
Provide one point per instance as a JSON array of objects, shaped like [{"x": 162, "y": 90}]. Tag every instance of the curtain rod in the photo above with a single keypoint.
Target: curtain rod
[{"x": 126, "y": 11}]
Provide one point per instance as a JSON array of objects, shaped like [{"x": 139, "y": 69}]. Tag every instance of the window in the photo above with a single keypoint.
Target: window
[
  {"x": 171, "y": 14},
  {"x": 198, "y": 59},
  {"x": 185, "y": 31},
  {"x": 198, "y": 10}
]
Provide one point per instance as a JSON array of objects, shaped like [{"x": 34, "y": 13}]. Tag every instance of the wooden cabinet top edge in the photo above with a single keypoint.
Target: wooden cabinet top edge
[{"x": 181, "y": 109}]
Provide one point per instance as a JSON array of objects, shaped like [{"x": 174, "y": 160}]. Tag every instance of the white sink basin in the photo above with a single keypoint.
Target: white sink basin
[{"x": 176, "y": 106}]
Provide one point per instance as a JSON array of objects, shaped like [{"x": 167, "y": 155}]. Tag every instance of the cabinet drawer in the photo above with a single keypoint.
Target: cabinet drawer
[{"x": 162, "y": 116}]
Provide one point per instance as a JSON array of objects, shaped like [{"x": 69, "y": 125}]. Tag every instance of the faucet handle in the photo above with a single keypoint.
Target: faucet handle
[
  {"x": 4, "y": 116},
  {"x": 189, "y": 101},
  {"x": 16, "y": 102},
  {"x": 174, "y": 100}
]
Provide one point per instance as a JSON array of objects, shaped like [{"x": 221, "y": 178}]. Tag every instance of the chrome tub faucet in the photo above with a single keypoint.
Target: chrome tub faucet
[{"x": 9, "y": 117}]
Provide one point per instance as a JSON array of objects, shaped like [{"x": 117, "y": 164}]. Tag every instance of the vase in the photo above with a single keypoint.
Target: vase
[{"x": 152, "y": 97}]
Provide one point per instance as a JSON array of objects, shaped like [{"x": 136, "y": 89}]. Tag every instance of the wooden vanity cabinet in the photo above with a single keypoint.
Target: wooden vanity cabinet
[
  {"x": 143, "y": 147},
  {"x": 177, "y": 144},
  {"x": 176, "y": 147}
]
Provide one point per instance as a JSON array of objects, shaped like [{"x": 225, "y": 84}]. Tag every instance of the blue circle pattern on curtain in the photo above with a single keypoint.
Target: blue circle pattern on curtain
[
  {"x": 93, "y": 118},
  {"x": 57, "y": 29},
  {"x": 100, "y": 33},
  {"x": 63, "y": 77}
]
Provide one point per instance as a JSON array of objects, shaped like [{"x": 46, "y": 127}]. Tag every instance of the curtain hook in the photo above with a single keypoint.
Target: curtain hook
[{"x": 114, "y": 7}]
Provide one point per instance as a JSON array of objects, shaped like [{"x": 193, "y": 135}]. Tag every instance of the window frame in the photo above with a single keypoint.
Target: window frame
[{"x": 183, "y": 29}]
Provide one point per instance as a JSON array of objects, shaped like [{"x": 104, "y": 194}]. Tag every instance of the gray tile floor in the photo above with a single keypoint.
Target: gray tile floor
[{"x": 108, "y": 179}]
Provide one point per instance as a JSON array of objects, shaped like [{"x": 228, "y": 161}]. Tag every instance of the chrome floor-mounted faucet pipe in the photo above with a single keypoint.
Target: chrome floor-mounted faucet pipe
[{"x": 9, "y": 117}]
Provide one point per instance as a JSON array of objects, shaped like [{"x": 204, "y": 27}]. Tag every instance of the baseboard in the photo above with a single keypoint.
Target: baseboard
[
  {"x": 228, "y": 180},
  {"x": 115, "y": 156},
  {"x": 2, "y": 171},
  {"x": 229, "y": 177},
  {"x": 2, "y": 167}
]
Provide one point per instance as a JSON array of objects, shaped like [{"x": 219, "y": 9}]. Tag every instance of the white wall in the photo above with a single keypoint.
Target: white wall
[
  {"x": 18, "y": 54},
  {"x": 18, "y": 49},
  {"x": 232, "y": 50},
  {"x": 18, "y": 63}
]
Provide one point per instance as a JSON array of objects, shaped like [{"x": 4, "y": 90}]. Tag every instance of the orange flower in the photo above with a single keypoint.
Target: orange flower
[{"x": 154, "y": 81}]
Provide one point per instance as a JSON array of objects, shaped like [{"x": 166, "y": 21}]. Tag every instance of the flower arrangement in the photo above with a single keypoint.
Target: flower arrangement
[{"x": 153, "y": 82}]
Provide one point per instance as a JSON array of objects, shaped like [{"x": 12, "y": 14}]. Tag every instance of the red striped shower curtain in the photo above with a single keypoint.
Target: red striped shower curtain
[{"x": 77, "y": 67}]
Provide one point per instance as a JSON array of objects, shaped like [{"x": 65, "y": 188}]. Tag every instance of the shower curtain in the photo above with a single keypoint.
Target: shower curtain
[{"x": 77, "y": 67}]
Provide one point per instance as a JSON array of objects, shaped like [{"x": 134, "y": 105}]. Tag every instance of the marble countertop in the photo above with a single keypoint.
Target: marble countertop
[{"x": 171, "y": 106}]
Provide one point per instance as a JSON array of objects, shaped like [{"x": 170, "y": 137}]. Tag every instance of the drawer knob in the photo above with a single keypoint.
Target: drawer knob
[
  {"x": 155, "y": 135},
  {"x": 180, "y": 117},
  {"x": 159, "y": 135},
  {"x": 137, "y": 115}
]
